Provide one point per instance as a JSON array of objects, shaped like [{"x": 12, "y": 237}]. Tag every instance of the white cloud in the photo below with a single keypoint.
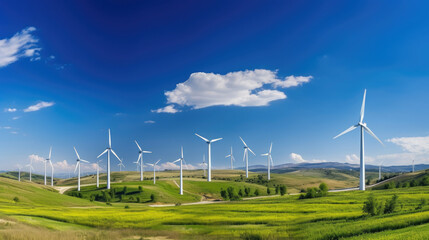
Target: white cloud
[
  {"x": 173, "y": 166},
  {"x": 36, "y": 158},
  {"x": 6, "y": 127},
  {"x": 297, "y": 158},
  {"x": 242, "y": 88},
  {"x": 166, "y": 109},
  {"x": 412, "y": 144},
  {"x": 10, "y": 110},
  {"x": 14, "y": 132},
  {"x": 16, "y": 118},
  {"x": 22, "y": 44},
  {"x": 353, "y": 159},
  {"x": 39, "y": 106},
  {"x": 149, "y": 122},
  {"x": 293, "y": 81}
]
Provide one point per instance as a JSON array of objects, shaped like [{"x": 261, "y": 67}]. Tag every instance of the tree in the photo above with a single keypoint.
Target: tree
[
  {"x": 425, "y": 181},
  {"x": 371, "y": 206},
  {"x": 140, "y": 189},
  {"x": 138, "y": 199},
  {"x": 124, "y": 191},
  {"x": 224, "y": 194},
  {"x": 16, "y": 199},
  {"x": 240, "y": 192},
  {"x": 277, "y": 189},
  {"x": 247, "y": 191},
  {"x": 268, "y": 191},
  {"x": 283, "y": 189},
  {"x": 152, "y": 197},
  {"x": 257, "y": 192},
  {"x": 232, "y": 194},
  {"x": 311, "y": 193},
  {"x": 413, "y": 183},
  {"x": 391, "y": 204},
  {"x": 323, "y": 189}
]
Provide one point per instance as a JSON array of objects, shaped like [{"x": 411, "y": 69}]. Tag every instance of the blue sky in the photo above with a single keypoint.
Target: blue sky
[{"x": 281, "y": 71}]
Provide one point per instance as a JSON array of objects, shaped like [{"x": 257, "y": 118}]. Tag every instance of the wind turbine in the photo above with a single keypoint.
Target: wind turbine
[
  {"x": 78, "y": 160},
  {"x": 413, "y": 165},
  {"x": 109, "y": 150},
  {"x": 30, "y": 166},
  {"x": 363, "y": 128},
  {"x": 246, "y": 156},
  {"x": 379, "y": 171},
  {"x": 209, "y": 142},
  {"x": 98, "y": 172},
  {"x": 140, "y": 158},
  {"x": 19, "y": 173},
  {"x": 120, "y": 166},
  {"x": 269, "y": 160},
  {"x": 154, "y": 168},
  {"x": 204, "y": 164},
  {"x": 232, "y": 158},
  {"x": 52, "y": 171},
  {"x": 47, "y": 160},
  {"x": 181, "y": 159}
]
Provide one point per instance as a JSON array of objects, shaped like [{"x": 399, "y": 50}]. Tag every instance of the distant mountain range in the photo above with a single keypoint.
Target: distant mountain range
[{"x": 289, "y": 167}]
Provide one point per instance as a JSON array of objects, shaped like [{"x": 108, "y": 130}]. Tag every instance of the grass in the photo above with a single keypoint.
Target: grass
[{"x": 336, "y": 216}]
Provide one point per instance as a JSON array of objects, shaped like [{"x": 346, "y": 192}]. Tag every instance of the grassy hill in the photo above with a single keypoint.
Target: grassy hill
[
  {"x": 406, "y": 180},
  {"x": 25, "y": 177}
]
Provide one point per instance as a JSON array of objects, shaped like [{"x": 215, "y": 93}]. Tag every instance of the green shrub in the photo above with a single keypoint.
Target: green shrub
[
  {"x": 257, "y": 192},
  {"x": 126, "y": 207},
  {"x": 152, "y": 197},
  {"x": 323, "y": 189},
  {"x": 140, "y": 189},
  {"x": 391, "y": 204},
  {"x": 372, "y": 207},
  {"x": 268, "y": 191},
  {"x": 16, "y": 199},
  {"x": 224, "y": 194},
  {"x": 283, "y": 190},
  {"x": 240, "y": 193}
]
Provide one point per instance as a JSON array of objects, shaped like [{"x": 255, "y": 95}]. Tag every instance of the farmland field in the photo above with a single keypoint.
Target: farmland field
[{"x": 42, "y": 213}]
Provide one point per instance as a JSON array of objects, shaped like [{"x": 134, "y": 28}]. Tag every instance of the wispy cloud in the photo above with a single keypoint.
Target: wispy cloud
[
  {"x": 39, "y": 106},
  {"x": 173, "y": 166},
  {"x": 36, "y": 158},
  {"x": 412, "y": 144},
  {"x": 10, "y": 109},
  {"x": 149, "y": 122},
  {"x": 247, "y": 88},
  {"x": 166, "y": 109},
  {"x": 22, "y": 44},
  {"x": 297, "y": 158},
  {"x": 16, "y": 118}
]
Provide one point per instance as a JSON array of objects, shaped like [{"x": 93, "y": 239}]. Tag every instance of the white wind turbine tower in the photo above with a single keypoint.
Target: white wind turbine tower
[
  {"x": 154, "y": 168},
  {"x": 181, "y": 159},
  {"x": 47, "y": 160},
  {"x": 78, "y": 160},
  {"x": 121, "y": 165},
  {"x": 98, "y": 172},
  {"x": 140, "y": 158},
  {"x": 109, "y": 150},
  {"x": 204, "y": 164},
  {"x": 232, "y": 158},
  {"x": 246, "y": 156},
  {"x": 19, "y": 173},
  {"x": 363, "y": 128},
  {"x": 379, "y": 171},
  {"x": 30, "y": 166},
  {"x": 52, "y": 171},
  {"x": 209, "y": 142},
  {"x": 413, "y": 165},
  {"x": 269, "y": 160}
]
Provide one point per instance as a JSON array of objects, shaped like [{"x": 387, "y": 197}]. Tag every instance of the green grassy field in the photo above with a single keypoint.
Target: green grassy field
[{"x": 42, "y": 213}]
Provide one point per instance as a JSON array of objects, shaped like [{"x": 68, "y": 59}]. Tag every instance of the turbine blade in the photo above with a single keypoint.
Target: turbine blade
[
  {"x": 177, "y": 160},
  {"x": 77, "y": 154},
  {"x": 186, "y": 165},
  {"x": 243, "y": 142},
  {"x": 372, "y": 134},
  {"x": 181, "y": 151},
  {"x": 50, "y": 153},
  {"x": 265, "y": 154},
  {"x": 362, "y": 110},
  {"x": 272, "y": 163},
  {"x": 215, "y": 140},
  {"x": 110, "y": 140},
  {"x": 77, "y": 165},
  {"x": 102, "y": 153},
  {"x": 138, "y": 159},
  {"x": 228, "y": 156},
  {"x": 116, "y": 155},
  {"x": 244, "y": 155},
  {"x": 147, "y": 152},
  {"x": 84, "y": 160},
  {"x": 157, "y": 161},
  {"x": 205, "y": 139},
  {"x": 271, "y": 147},
  {"x": 138, "y": 145},
  {"x": 251, "y": 151},
  {"x": 150, "y": 164},
  {"x": 347, "y": 130}
]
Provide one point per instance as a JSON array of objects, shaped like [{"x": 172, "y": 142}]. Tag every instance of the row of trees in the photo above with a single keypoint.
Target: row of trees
[
  {"x": 413, "y": 183},
  {"x": 315, "y": 192}
]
